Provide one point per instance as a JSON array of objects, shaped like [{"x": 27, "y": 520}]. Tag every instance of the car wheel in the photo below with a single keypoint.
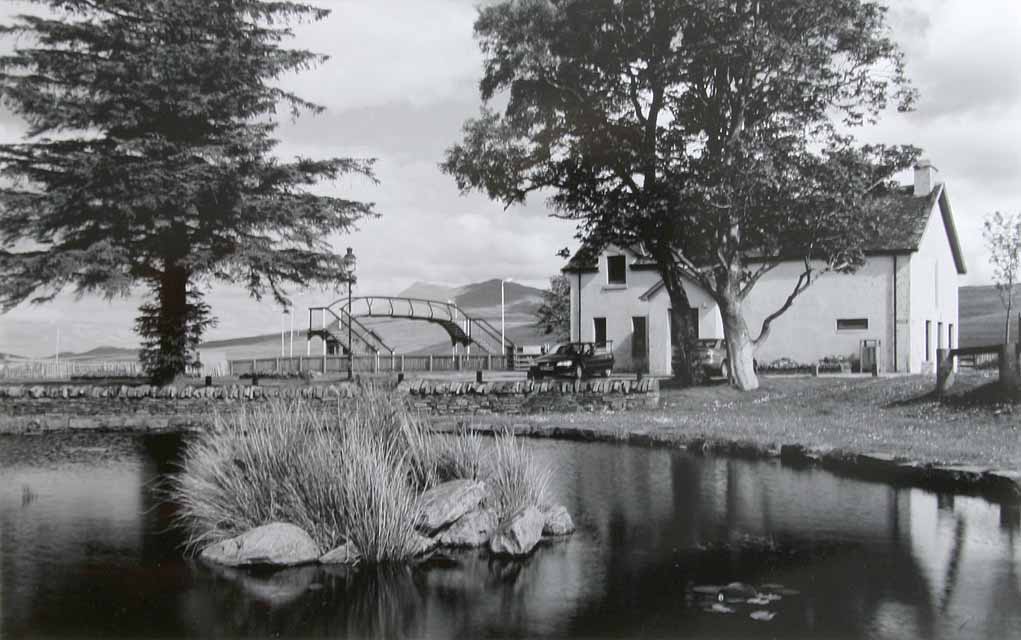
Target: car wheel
[
  {"x": 725, "y": 370},
  {"x": 579, "y": 373}
]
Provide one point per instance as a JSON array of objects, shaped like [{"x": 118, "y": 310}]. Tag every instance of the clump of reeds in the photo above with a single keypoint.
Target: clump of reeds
[
  {"x": 516, "y": 479},
  {"x": 348, "y": 473},
  {"x": 276, "y": 462}
]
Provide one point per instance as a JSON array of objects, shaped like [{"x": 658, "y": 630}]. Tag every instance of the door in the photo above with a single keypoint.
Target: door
[{"x": 640, "y": 343}]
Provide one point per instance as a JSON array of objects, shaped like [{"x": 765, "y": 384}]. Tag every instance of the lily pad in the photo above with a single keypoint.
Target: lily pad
[
  {"x": 706, "y": 589},
  {"x": 760, "y": 600},
  {"x": 720, "y": 608},
  {"x": 763, "y": 615}
]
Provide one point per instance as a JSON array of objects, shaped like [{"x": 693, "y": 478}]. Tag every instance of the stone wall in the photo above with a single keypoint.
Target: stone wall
[{"x": 32, "y": 408}]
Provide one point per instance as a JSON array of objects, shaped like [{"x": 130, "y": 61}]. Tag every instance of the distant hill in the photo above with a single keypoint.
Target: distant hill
[
  {"x": 487, "y": 294},
  {"x": 982, "y": 315},
  {"x": 429, "y": 291},
  {"x": 479, "y": 296},
  {"x": 103, "y": 353}
]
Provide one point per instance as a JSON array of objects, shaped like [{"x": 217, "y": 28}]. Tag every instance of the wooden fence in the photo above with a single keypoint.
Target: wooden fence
[
  {"x": 395, "y": 363},
  {"x": 1007, "y": 355},
  {"x": 66, "y": 369}
]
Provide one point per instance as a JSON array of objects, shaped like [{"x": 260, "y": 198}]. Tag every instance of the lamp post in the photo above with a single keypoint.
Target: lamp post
[{"x": 349, "y": 267}]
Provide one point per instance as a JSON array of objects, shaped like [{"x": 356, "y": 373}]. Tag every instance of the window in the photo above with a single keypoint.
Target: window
[
  {"x": 599, "y": 327},
  {"x": 616, "y": 270},
  {"x": 928, "y": 340},
  {"x": 852, "y": 324}
]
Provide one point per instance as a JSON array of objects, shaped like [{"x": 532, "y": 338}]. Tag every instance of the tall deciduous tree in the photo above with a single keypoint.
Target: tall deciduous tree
[
  {"x": 713, "y": 132},
  {"x": 554, "y": 314},
  {"x": 1003, "y": 239},
  {"x": 148, "y": 160}
]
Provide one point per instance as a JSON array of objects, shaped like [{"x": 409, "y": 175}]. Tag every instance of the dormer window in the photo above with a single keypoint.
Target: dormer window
[{"x": 616, "y": 270}]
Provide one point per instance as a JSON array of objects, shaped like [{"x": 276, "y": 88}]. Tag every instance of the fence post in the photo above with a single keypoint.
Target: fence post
[
  {"x": 253, "y": 366},
  {"x": 429, "y": 366},
  {"x": 402, "y": 363},
  {"x": 1010, "y": 376},
  {"x": 375, "y": 364},
  {"x": 944, "y": 371}
]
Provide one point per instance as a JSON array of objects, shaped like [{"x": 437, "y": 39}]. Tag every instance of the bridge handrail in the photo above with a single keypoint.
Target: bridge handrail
[
  {"x": 361, "y": 331},
  {"x": 449, "y": 312}
]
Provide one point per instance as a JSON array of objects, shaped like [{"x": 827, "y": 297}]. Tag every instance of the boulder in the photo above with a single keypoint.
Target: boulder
[
  {"x": 276, "y": 544},
  {"x": 518, "y": 534},
  {"x": 445, "y": 503},
  {"x": 558, "y": 521},
  {"x": 346, "y": 553},
  {"x": 471, "y": 530},
  {"x": 424, "y": 544}
]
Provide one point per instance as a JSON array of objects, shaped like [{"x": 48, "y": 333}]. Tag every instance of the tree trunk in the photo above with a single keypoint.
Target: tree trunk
[
  {"x": 1006, "y": 325},
  {"x": 164, "y": 326},
  {"x": 740, "y": 346},
  {"x": 681, "y": 339}
]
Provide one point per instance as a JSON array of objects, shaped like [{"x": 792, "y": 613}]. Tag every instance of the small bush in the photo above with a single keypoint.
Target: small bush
[
  {"x": 515, "y": 478},
  {"x": 346, "y": 473}
]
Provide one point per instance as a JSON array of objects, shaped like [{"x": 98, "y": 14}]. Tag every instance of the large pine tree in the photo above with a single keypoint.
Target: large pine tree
[{"x": 148, "y": 161}]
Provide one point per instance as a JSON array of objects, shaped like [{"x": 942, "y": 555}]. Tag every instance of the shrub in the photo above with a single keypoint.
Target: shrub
[
  {"x": 349, "y": 473},
  {"x": 515, "y": 478}
]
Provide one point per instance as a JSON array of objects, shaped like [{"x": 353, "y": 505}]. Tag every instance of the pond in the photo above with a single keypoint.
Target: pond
[{"x": 86, "y": 551}]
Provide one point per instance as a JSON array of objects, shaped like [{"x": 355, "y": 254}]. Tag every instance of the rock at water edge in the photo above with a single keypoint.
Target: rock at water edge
[
  {"x": 471, "y": 530},
  {"x": 346, "y": 553},
  {"x": 558, "y": 521},
  {"x": 276, "y": 544},
  {"x": 445, "y": 503},
  {"x": 518, "y": 534}
]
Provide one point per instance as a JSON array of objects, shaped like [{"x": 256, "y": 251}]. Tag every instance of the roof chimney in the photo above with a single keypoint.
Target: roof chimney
[{"x": 926, "y": 177}]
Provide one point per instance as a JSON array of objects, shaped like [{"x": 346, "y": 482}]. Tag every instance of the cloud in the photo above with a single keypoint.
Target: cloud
[{"x": 401, "y": 79}]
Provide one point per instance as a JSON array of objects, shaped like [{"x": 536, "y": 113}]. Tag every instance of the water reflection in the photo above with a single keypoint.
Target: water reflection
[{"x": 86, "y": 551}]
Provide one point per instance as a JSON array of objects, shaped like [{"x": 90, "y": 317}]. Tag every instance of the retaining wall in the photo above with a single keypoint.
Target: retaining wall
[{"x": 30, "y": 408}]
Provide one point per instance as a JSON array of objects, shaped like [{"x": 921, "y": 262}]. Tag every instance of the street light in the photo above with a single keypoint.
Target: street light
[{"x": 349, "y": 268}]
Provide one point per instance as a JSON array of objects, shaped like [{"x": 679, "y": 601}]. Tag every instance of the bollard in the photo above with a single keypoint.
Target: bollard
[
  {"x": 400, "y": 377},
  {"x": 639, "y": 376},
  {"x": 209, "y": 381},
  {"x": 478, "y": 376},
  {"x": 255, "y": 379}
]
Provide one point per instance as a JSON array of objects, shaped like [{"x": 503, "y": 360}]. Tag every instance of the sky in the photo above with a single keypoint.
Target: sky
[{"x": 402, "y": 78}]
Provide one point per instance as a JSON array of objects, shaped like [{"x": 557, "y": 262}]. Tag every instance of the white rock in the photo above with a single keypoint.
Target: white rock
[{"x": 277, "y": 544}]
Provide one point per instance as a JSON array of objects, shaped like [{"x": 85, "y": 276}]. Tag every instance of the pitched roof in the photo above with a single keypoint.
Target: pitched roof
[{"x": 900, "y": 232}]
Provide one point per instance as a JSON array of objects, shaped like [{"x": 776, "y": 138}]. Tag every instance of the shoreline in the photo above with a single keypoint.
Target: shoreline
[{"x": 996, "y": 485}]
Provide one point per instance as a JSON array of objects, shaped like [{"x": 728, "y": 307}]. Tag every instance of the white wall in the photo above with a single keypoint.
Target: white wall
[
  {"x": 619, "y": 304},
  {"x": 808, "y": 330},
  {"x": 934, "y": 282}
]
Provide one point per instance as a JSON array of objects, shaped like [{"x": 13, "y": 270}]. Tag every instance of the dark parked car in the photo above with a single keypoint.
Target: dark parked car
[{"x": 574, "y": 359}]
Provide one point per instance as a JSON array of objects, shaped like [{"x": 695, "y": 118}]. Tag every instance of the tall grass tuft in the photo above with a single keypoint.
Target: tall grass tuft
[
  {"x": 346, "y": 473},
  {"x": 275, "y": 462},
  {"x": 458, "y": 456},
  {"x": 515, "y": 478}
]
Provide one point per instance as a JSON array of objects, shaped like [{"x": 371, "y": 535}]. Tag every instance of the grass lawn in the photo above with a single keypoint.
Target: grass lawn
[{"x": 895, "y": 415}]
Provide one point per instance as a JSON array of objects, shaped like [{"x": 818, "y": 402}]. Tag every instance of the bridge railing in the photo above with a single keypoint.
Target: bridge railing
[{"x": 328, "y": 318}]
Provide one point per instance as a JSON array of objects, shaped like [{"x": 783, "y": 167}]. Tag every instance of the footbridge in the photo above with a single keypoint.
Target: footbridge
[{"x": 330, "y": 323}]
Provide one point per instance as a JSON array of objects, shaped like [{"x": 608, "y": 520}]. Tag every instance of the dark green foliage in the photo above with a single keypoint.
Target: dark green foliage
[
  {"x": 554, "y": 314},
  {"x": 712, "y": 132},
  {"x": 148, "y": 159}
]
